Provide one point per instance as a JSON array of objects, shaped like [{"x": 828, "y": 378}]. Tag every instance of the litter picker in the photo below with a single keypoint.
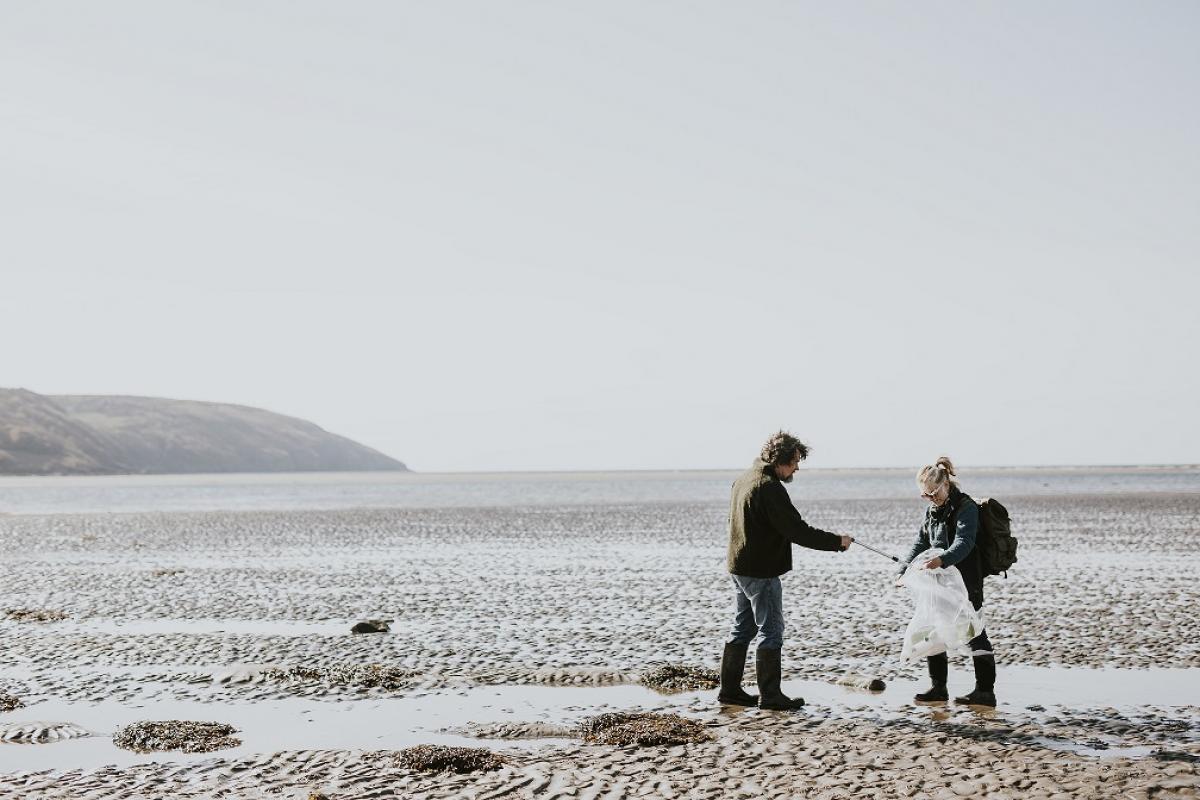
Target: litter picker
[{"x": 873, "y": 550}]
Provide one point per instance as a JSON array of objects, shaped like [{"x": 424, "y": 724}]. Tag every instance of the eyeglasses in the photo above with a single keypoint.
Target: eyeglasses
[{"x": 932, "y": 495}]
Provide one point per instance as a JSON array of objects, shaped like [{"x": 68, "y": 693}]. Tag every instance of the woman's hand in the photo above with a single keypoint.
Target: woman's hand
[{"x": 933, "y": 563}]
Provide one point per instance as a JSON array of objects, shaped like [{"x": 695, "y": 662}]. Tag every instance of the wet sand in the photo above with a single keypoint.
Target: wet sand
[{"x": 512, "y": 625}]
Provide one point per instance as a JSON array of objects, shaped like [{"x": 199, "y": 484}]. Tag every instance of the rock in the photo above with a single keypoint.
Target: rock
[
  {"x": 864, "y": 682},
  {"x": 9, "y": 703},
  {"x": 371, "y": 626}
]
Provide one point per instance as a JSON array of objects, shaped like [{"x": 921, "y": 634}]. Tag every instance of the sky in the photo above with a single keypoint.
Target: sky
[{"x": 617, "y": 235}]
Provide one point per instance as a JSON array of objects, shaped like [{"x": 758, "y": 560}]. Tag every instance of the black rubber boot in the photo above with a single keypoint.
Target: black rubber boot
[
  {"x": 939, "y": 668},
  {"x": 768, "y": 666},
  {"x": 984, "y": 693},
  {"x": 733, "y": 665}
]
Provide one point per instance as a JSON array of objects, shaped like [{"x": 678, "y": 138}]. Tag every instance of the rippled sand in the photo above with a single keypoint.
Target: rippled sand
[{"x": 496, "y": 612}]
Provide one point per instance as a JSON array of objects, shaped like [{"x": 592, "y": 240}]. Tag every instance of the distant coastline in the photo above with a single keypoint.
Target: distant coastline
[{"x": 79, "y": 435}]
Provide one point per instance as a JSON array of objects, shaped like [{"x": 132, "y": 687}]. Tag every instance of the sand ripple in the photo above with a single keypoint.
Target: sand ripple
[
  {"x": 39, "y": 732},
  {"x": 596, "y": 596}
]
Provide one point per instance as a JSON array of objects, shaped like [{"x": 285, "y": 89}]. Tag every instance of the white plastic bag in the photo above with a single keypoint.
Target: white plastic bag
[{"x": 943, "y": 618}]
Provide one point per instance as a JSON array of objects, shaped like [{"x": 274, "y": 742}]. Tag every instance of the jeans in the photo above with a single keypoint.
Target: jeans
[{"x": 759, "y": 609}]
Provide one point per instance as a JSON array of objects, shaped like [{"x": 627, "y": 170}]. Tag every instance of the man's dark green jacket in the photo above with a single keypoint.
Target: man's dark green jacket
[{"x": 763, "y": 525}]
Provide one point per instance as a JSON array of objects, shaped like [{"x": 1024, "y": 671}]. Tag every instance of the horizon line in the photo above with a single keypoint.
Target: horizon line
[{"x": 648, "y": 470}]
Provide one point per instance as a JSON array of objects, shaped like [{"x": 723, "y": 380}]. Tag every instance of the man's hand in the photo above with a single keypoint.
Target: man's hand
[
  {"x": 933, "y": 563},
  {"x": 899, "y": 582},
  {"x": 846, "y": 540}
]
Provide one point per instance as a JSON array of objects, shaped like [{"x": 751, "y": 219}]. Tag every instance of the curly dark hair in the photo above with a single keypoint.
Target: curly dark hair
[{"x": 781, "y": 448}]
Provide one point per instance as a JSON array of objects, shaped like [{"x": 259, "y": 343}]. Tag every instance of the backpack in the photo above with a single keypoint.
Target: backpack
[{"x": 995, "y": 543}]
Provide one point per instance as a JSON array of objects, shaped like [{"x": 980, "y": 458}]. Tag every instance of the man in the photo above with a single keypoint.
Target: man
[{"x": 763, "y": 526}]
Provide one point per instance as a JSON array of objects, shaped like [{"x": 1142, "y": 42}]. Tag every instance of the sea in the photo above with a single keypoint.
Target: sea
[{"x": 416, "y": 490}]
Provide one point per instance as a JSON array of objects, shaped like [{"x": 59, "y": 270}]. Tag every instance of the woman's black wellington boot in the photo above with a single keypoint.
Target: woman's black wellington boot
[
  {"x": 939, "y": 669},
  {"x": 984, "y": 693}
]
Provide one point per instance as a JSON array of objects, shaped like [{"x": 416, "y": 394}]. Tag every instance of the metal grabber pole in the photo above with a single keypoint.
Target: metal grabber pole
[{"x": 873, "y": 550}]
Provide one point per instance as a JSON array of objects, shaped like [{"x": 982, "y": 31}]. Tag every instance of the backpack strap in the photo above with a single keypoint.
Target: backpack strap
[{"x": 952, "y": 520}]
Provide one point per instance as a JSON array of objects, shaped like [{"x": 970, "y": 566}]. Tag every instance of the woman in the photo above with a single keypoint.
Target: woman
[{"x": 951, "y": 523}]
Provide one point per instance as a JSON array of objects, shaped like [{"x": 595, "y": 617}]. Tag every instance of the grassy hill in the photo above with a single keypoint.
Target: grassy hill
[{"x": 98, "y": 435}]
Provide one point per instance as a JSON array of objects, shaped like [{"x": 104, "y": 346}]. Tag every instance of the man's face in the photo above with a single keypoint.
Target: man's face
[{"x": 786, "y": 471}]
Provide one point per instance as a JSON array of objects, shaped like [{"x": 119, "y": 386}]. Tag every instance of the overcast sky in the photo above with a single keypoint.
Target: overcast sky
[{"x": 546, "y": 235}]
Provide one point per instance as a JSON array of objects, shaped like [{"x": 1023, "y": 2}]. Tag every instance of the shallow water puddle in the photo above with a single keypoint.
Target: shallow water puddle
[
  {"x": 1019, "y": 686},
  {"x": 1096, "y": 752},
  {"x": 438, "y": 718},
  {"x": 298, "y": 724}
]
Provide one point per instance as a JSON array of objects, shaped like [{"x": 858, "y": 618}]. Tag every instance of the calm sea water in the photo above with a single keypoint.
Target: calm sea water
[{"x": 294, "y": 491}]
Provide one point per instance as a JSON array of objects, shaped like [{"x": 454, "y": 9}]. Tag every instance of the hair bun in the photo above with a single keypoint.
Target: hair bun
[{"x": 945, "y": 463}]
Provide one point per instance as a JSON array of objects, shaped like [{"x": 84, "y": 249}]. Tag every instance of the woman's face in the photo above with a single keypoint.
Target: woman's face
[{"x": 936, "y": 494}]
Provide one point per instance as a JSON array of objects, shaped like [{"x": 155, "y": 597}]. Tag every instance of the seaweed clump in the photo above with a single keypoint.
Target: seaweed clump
[
  {"x": 680, "y": 678},
  {"x": 9, "y": 703},
  {"x": 367, "y": 676},
  {"x": 34, "y": 615},
  {"x": 439, "y": 758},
  {"x": 174, "y": 734},
  {"x": 642, "y": 729}
]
